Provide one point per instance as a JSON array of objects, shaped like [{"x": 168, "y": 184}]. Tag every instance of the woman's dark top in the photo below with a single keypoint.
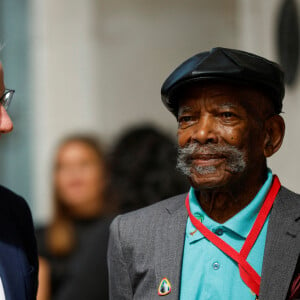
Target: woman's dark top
[{"x": 83, "y": 273}]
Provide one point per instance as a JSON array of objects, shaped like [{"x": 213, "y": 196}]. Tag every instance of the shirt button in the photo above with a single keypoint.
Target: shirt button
[
  {"x": 216, "y": 265},
  {"x": 219, "y": 231}
]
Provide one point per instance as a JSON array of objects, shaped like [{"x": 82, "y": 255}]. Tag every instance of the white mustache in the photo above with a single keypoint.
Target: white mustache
[{"x": 234, "y": 158}]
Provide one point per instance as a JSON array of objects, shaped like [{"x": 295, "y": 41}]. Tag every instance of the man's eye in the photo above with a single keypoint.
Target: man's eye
[
  {"x": 227, "y": 114},
  {"x": 185, "y": 119}
]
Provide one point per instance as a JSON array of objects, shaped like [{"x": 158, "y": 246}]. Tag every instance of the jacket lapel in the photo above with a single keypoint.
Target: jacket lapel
[
  {"x": 10, "y": 269},
  {"x": 10, "y": 273},
  {"x": 282, "y": 247},
  {"x": 169, "y": 248}
]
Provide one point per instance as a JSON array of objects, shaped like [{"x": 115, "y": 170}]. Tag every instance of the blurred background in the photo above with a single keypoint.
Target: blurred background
[
  {"x": 91, "y": 136},
  {"x": 96, "y": 66}
]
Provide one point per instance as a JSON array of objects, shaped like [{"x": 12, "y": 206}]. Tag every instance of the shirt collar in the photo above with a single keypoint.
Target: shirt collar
[{"x": 241, "y": 223}]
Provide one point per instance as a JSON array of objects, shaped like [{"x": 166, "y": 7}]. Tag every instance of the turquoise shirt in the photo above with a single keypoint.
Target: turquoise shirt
[{"x": 208, "y": 273}]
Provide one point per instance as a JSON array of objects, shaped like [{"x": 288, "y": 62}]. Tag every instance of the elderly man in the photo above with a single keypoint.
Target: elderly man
[
  {"x": 235, "y": 235},
  {"x": 18, "y": 253}
]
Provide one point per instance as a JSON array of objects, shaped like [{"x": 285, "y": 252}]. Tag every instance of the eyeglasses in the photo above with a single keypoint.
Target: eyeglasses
[{"x": 6, "y": 98}]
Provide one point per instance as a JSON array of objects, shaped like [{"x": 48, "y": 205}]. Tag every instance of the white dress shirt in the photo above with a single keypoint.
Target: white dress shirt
[{"x": 2, "y": 295}]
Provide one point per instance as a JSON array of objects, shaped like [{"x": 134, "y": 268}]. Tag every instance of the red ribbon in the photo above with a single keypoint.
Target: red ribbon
[{"x": 247, "y": 273}]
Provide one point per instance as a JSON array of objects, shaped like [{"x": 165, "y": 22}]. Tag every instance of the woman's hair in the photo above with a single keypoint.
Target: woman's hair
[
  {"x": 60, "y": 235},
  {"x": 143, "y": 168}
]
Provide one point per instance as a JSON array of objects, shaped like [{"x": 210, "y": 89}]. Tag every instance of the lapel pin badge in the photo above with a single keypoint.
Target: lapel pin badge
[{"x": 164, "y": 287}]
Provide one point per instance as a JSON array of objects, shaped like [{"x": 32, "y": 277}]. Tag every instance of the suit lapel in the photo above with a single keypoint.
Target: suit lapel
[
  {"x": 10, "y": 272},
  {"x": 169, "y": 248},
  {"x": 282, "y": 247},
  {"x": 10, "y": 268}
]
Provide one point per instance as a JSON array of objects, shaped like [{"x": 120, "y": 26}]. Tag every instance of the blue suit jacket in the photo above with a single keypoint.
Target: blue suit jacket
[{"x": 18, "y": 251}]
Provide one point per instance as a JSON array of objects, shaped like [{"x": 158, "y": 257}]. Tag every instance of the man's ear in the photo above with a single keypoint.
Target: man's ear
[{"x": 275, "y": 128}]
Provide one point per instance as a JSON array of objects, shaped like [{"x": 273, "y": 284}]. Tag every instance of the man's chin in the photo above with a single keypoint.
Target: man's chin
[{"x": 208, "y": 180}]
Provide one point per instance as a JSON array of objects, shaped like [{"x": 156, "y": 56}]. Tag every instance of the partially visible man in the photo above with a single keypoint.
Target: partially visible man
[
  {"x": 18, "y": 252},
  {"x": 236, "y": 234}
]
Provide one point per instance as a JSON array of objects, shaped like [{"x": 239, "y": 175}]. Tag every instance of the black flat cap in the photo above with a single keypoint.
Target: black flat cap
[{"x": 226, "y": 65}]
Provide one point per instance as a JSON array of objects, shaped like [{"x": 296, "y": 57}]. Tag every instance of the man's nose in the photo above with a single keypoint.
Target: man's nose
[
  {"x": 205, "y": 131},
  {"x": 6, "y": 124}
]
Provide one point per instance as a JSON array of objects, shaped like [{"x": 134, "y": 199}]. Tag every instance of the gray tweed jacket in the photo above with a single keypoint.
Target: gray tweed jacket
[{"x": 147, "y": 245}]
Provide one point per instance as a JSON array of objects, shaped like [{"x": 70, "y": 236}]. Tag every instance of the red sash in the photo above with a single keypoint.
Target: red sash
[{"x": 247, "y": 273}]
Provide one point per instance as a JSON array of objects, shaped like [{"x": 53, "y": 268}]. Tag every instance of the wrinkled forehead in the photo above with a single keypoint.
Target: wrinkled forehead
[{"x": 246, "y": 97}]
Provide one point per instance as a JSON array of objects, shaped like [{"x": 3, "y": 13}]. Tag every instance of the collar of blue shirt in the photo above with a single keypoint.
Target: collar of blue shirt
[{"x": 240, "y": 224}]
